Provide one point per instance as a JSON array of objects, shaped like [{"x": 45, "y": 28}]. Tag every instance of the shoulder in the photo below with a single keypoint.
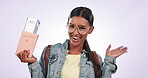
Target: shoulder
[
  {"x": 55, "y": 46},
  {"x": 61, "y": 45}
]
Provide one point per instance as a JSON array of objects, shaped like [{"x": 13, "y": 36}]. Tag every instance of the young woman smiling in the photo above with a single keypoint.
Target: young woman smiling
[{"x": 74, "y": 58}]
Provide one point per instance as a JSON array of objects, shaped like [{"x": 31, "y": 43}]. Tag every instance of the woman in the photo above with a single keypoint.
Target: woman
[{"x": 73, "y": 58}]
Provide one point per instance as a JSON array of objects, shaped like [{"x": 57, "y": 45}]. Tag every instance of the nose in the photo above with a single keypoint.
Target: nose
[{"x": 76, "y": 31}]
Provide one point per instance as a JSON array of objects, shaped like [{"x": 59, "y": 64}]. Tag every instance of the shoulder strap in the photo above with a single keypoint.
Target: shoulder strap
[
  {"x": 96, "y": 57},
  {"x": 47, "y": 54}
]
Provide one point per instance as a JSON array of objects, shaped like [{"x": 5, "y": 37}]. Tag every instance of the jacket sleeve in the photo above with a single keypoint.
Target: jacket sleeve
[
  {"x": 37, "y": 69},
  {"x": 108, "y": 67}
]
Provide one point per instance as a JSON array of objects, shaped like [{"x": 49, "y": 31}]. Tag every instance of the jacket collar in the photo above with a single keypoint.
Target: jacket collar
[{"x": 65, "y": 45}]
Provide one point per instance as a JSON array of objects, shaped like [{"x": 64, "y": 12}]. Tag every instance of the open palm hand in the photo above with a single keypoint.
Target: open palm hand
[{"x": 116, "y": 52}]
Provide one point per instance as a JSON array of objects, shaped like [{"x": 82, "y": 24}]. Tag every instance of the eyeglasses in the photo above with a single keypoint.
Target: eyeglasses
[{"x": 81, "y": 28}]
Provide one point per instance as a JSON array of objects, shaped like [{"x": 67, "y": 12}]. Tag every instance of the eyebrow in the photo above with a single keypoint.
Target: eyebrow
[
  {"x": 70, "y": 23},
  {"x": 78, "y": 25}
]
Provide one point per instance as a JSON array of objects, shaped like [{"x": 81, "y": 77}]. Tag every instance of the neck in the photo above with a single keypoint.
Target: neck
[{"x": 75, "y": 50}]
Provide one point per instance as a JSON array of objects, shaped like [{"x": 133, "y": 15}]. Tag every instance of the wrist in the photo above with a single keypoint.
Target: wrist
[{"x": 32, "y": 61}]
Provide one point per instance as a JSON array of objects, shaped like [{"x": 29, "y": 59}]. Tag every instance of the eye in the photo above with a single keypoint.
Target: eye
[
  {"x": 82, "y": 27},
  {"x": 71, "y": 26}
]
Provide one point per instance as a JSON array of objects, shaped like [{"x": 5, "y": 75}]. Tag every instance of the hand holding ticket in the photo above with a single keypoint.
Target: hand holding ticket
[{"x": 28, "y": 37}]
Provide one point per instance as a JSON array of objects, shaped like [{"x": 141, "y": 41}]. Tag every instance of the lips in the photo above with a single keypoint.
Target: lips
[{"x": 75, "y": 38}]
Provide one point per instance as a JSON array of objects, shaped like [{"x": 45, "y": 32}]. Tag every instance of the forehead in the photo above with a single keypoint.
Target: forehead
[{"x": 78, "y": 20}]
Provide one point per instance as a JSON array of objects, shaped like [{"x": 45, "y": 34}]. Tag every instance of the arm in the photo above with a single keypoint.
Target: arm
[
  {"x": 109, "y": 66},
  {"x": 37, "y": 69}
]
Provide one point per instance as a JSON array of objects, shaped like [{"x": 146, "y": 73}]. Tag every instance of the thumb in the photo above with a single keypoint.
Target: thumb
[{"x": 108, "y": 47}]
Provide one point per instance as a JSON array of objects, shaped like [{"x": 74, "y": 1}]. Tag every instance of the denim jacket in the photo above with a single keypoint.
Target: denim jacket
[{"x": 57, "y": 57}]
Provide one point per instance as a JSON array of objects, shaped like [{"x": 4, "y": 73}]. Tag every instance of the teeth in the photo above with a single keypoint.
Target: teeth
[{"x": 76, "y": 38}]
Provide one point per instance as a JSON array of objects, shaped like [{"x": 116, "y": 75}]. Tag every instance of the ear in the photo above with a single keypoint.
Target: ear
[{"x": 91, "y": 29}]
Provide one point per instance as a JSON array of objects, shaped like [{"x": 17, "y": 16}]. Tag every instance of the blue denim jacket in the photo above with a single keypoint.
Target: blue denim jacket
[{"x": 57, "y": 57}]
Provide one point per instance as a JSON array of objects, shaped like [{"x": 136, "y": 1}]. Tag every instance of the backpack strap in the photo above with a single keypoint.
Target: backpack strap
[{"x": 47, "y": 54}]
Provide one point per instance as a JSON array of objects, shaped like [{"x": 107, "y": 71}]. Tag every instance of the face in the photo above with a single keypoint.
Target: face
[{"x": 78, "y": 29}]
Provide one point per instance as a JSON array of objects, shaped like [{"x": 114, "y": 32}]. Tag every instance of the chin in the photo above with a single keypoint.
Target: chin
[
  {"x": 76, "y": 43},
  {"x": 73, "y": 43}
]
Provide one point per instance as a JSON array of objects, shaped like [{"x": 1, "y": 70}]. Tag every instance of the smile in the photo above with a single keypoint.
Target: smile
[{"x": 75, "y": 38}]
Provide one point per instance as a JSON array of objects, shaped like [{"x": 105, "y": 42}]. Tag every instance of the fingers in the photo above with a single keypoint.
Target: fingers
[
  {"x": 124, "y": 50},
  {"x": 120, "y": 47},
  {"x": 20, "y": 55},
  {"x": 116, "y": 52},
  {"x": 108, "y": 47},
  {"x": 23, "y": 55}
]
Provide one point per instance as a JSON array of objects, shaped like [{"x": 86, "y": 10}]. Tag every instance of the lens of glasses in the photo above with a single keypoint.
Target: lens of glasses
[{"x": 81, "y": 29}]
